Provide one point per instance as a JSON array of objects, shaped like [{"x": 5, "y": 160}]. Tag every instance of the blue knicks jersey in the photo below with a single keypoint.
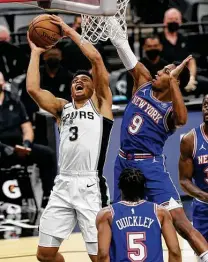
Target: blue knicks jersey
[
  {"x": 200, "y": 158},
  {"x": 136, "y": 233},
  {"x": 144, "y": 127}
]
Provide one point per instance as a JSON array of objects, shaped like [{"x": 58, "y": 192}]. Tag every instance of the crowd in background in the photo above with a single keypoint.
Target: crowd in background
[{"x": 18, "y": 110}]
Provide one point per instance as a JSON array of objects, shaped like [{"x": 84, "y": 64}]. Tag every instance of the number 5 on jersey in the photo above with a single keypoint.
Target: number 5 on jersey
[
  {"x": 135, "y": 125},
  {"x": 73, "y": 133},
  {"x": 137, "y": 251}
]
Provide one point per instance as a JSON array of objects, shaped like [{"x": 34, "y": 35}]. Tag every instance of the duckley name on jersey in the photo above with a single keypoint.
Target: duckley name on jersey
[
  {"x": 77, "y": 114},
  {"x": 134, "y": 221},
  {"x": 147, "y": 108}
]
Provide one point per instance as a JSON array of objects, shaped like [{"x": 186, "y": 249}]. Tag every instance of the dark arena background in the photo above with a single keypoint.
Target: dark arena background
[{"x": 21, "y": 184}]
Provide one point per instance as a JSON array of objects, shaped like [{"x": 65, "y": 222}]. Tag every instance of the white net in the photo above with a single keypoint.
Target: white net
[{"x": 99, "y": 28}]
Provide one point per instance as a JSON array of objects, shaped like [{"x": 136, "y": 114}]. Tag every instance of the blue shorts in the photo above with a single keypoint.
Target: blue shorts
[
  {"x": 159, "y": 186},
  {"x": 200, "y": 217}
]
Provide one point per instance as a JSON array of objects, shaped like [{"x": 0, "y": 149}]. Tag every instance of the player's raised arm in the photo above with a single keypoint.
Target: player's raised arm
[
  {"x": 104, "y": 234},
  {"x": 43, "y": 98},
  {"x": 99, "y": 72},
  {"x": 179, "y": 116},
  {"x": 139, "y": 72},
  {"x": 169, "y": 234},
  {"x": 186, "y": 169}
]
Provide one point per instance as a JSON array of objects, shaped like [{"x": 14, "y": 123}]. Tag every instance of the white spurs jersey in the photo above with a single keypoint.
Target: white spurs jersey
[{"x": 84, "y": 138}]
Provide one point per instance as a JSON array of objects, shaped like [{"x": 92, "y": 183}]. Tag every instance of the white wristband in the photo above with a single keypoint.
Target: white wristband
[
  {"x": 126, "y": 55},
  {"x": 122, "y": 45}
]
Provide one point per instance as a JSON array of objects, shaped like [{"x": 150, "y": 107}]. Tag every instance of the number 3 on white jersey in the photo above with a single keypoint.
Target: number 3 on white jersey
[
  {"x": 135, "y": 125},
  {"x": 137, "y": 251}
]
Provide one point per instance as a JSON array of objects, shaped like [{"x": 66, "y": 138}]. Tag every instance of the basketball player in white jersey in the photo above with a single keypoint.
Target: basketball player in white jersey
[{"x": 85, "y": 124}]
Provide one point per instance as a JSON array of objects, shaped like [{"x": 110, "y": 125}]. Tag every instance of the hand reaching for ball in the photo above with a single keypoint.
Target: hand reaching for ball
[
  {"x": 33, "y": 47},
  {"x": 64, "y": 27},
  {"x": 43, "y": 33}
]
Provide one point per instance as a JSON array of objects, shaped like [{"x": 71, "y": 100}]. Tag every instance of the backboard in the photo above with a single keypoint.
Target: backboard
[{"x": 89, "y": 7}]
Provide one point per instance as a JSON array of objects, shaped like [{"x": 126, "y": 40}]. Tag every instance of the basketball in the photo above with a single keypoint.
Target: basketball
[{"x": 43, "y": 33}]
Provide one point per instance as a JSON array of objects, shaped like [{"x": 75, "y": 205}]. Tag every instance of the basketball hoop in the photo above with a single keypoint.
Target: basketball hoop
[{"x": 100, "y": 28}]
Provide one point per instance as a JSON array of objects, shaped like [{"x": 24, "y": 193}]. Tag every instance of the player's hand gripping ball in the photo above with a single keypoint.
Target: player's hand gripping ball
[{"x": 43, "y": 33}]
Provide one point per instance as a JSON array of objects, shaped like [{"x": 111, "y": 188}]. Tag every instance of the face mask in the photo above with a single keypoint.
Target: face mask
[
  {"x": 173, "y": 27},
  {"x": 79, "y": 30},
  {"x": 53, "y": 63},
  {"x": 152, "y": 54}
]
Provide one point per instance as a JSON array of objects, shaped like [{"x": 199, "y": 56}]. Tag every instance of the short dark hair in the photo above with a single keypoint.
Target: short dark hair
[
  {"x": 82, "y": 72},
  {"x": 151, "y": 36},
  {"x": 184, "y": 75},
  {"x": 132, "y": 184}
]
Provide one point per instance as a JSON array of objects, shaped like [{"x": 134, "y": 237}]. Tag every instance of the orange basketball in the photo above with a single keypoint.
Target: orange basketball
[{"x": 43, "y": 33}]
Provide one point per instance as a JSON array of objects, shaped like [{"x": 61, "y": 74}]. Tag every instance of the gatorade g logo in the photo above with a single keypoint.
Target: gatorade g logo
[{"x": 11, "y": 190}]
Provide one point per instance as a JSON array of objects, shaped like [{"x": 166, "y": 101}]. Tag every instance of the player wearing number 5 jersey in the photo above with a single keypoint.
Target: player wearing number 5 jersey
[
  {"x": 154, "y": 112},
  {"x": 80, "y": 190},
  {"x": 131, "y": 229}
]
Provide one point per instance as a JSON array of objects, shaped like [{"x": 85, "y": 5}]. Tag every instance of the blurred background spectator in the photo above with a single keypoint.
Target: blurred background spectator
[
  {"x": 175, "y": 48},
  {"x": 13, "y": 61},
  {"x": 152, "y": 49},
  {"x": 53, "y": 77},
  {"x": 16, "y": 130},
  {"x": 174, "y": 44}
]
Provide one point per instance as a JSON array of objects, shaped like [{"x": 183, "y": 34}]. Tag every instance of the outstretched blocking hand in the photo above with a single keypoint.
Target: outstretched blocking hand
[
  {"x": 176, "y": 72},
  {"x": 33, "y": 47}
]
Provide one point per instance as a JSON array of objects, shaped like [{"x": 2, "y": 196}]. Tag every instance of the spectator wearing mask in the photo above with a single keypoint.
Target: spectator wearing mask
[
  {"x": 53, "y": 77},
  {"x": 13, "y": 61},
  {"x": 174, "y": 45},
  {"x": 16, "y": 141},
  {"x": 152, "y": 48},
  {"x": 152, "y": 60}
]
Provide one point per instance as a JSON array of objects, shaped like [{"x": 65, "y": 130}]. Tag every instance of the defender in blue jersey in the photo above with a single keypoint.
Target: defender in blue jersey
[
  {"x": 131, "y": 229},
  {"x": 193, "y": 166},
  {"x": 152, "y": 115}
]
